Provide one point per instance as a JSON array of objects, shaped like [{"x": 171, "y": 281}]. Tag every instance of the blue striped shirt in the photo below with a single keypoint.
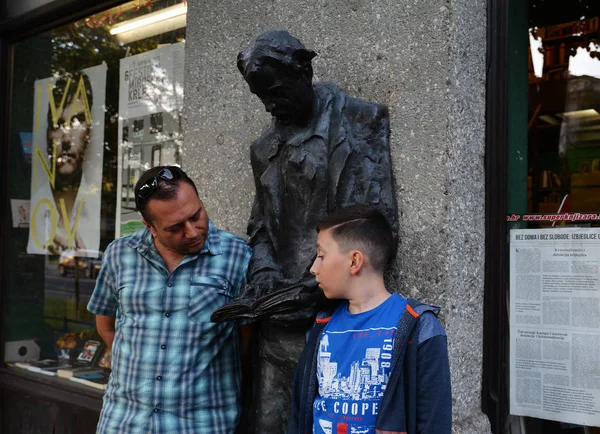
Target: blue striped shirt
[{"x": 173, "y": 371}]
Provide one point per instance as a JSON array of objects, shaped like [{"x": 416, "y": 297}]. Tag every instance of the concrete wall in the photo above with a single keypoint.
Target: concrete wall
[{"x": 424, "y": 59}]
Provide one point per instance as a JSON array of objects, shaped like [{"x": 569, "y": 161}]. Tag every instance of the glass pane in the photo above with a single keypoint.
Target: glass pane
[
  {"x": 554, "y": 278},
  {"x": 564, "y": 120},
  {"x": 94, "y": 104}
]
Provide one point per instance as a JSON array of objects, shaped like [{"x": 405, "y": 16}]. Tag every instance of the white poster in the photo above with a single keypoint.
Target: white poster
[
  {"x": 555, "y": 324},
  {"x": 150, "y": 105},
  {"x": 66, "y": 180}
]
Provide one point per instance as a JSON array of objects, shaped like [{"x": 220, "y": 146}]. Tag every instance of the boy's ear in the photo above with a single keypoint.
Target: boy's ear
[{"x": 357, "y": 261}]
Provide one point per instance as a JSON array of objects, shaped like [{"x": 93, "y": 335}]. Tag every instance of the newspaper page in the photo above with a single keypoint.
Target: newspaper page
[
  {"x": 150, "y": 108},
  {"x": 66, "y": 175},
  {"x": 555, "y": 324}
]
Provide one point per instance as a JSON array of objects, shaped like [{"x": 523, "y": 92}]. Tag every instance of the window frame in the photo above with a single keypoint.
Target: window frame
[{"x": 494, "y": 399}]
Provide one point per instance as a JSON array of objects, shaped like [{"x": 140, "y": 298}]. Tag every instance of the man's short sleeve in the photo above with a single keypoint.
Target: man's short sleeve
[
  {"x": 104, "y": 300},
  {"x": 243, "y": 259}
]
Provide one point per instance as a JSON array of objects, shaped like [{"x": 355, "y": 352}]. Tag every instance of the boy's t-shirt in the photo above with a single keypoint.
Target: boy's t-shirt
[{"x": 353, "y": 367}]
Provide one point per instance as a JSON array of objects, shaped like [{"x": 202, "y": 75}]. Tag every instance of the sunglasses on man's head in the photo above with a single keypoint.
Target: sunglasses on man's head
[{"x": 149, "y": 187}]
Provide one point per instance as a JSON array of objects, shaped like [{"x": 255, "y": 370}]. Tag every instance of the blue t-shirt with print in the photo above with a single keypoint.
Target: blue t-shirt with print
[{"x": 353, "y": 367}]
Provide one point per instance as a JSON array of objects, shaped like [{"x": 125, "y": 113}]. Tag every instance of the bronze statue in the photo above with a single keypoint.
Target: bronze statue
[{"x": 323, "y": 151}]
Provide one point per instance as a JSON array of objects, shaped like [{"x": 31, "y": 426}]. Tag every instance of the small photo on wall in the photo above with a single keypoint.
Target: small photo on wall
[{"x": 20, "y": 213}]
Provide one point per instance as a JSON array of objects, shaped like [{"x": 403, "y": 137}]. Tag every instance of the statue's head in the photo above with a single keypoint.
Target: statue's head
[{"x": 278, "y": 69}]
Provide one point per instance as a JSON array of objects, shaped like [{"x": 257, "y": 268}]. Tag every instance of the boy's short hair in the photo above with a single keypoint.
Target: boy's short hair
[{"x": 364, "y": 228}]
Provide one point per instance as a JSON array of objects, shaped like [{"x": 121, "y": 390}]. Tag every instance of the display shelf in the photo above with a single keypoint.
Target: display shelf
[{"x": 55, "y": 388}]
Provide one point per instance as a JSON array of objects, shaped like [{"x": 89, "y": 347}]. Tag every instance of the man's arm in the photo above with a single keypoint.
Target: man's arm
[
  {"x": 247, "y": 332},
  {"x": 106, "y": 329},
  {"x": 103, "y": 302}
]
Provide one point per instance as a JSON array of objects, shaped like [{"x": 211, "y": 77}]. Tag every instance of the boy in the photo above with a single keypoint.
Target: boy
[{"x": 379, "y": 364}]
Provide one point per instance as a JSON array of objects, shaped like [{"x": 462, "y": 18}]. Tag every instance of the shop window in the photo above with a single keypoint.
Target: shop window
[
  {"x": 554, "y": 214},
  {"x": 94, "y": 104}
]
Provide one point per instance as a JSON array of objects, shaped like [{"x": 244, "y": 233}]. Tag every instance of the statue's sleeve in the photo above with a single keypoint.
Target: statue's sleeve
[
  {"x": 363, "y": 162},
  {"x": 387, "y": 203},
  {"x": 263, "y": 267}
]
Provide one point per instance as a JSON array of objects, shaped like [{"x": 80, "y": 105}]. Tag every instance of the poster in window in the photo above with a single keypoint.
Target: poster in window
[
  {"x": 150, "y": 105},
  {"x": 67, "y": 148},
  {"x": 555, "y": 324}
]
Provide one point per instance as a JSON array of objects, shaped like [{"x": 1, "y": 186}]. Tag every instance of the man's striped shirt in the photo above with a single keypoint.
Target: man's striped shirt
[{"x": 173, "y": 370}]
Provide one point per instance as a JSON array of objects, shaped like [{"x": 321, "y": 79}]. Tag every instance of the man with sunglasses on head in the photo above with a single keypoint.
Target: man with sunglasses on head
[{"x": 173, "y": 370}]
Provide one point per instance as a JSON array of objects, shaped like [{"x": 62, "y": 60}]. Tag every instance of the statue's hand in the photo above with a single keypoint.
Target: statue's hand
[
  {"x": 268, "y": 295},
  {"x": 272, "y": 286},
  {"x": 247, "y": 292}
]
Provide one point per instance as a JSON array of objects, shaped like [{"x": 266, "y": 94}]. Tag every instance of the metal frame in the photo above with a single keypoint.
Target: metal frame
[
  {"x": 51, "y": 15},
  {"x": 495, "y": 321},
  {"x": 6, "y": 63}
]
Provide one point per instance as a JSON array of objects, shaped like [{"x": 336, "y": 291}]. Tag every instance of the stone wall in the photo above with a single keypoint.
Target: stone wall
[{"x": 424, "y": 59}]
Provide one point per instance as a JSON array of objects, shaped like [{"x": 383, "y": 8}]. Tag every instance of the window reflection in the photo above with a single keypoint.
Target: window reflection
[
  {"x": 563, "y": 173},
  {"x": 93, "y": 139},
  {"x": 564, "y": 122}
]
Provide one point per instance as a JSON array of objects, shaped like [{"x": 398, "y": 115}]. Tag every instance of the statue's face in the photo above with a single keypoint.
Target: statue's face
[{"x": 288, "y": 97}]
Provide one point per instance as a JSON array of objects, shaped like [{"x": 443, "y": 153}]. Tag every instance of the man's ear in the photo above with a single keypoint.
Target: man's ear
[
  {"x": 357, "y": 262},
  {"x": 150, "y": 227}
]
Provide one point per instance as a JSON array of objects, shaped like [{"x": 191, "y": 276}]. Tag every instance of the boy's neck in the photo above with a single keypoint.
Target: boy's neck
[{"x": 368, "y": 293}]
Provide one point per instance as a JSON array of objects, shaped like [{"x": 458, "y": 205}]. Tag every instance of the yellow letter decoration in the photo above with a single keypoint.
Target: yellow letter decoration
[
  {"x": 35, "y": 226},
  {"x": 78, "y": 106},
  {"x": 56, "y": 113},
  {"x": 40, "y": 156},
  {"x": 70, "y": 231}
]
